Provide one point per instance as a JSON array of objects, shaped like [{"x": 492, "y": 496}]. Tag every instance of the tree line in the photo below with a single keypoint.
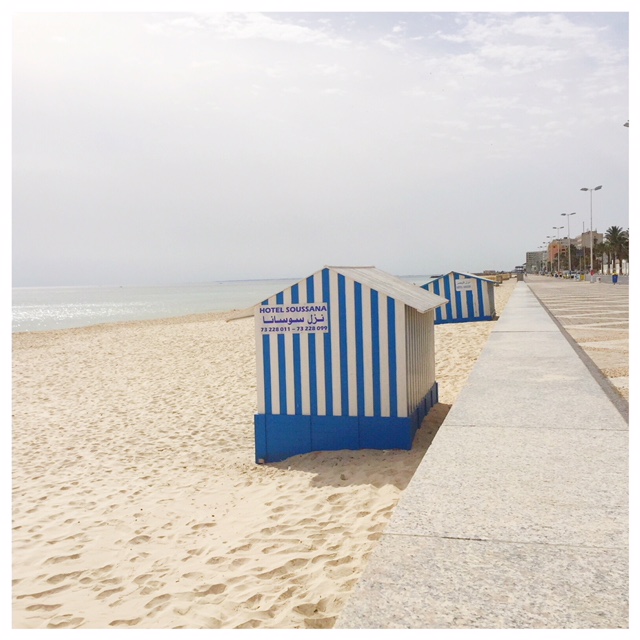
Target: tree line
[{"x": 614, "y": 245}]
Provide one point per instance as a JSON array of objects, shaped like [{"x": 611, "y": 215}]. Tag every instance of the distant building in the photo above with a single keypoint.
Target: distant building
[
  {"x": 536, "y": 261},
  {"x": 583, "y": 241}
]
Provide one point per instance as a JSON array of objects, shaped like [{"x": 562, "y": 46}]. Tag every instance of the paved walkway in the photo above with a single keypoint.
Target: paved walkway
[
  {"x": 517, "y": 516},
  {"x": 596, "y": 316}
]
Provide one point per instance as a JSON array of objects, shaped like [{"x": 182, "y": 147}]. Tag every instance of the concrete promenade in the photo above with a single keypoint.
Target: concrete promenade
[
  {"x": 596, "y": 316},
  {"x": 517, "y": 517}
]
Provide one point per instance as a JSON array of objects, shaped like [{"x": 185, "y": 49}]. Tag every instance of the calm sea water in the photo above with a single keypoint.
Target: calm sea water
[{"x": 46, "y": 308}]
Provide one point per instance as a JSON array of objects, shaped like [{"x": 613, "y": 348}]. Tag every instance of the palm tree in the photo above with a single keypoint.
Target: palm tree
[
  {"x": 618, "y": 243},
  {"x": 575, "y": 258},
  {"x": 624, "y": 248}
]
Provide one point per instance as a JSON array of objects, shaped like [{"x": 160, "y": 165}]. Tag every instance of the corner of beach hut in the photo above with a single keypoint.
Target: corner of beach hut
[
  {"x": 470, "y": 298},
  {"x": 345, "y": 360}
]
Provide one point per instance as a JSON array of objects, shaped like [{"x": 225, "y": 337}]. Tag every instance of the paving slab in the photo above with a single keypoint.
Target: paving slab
[
  {"x": 520, "y": 485},
  {"x": 532, "y": 379},
  {"x": 517, "y": 516},
  {"x": 436, "y": 583}
]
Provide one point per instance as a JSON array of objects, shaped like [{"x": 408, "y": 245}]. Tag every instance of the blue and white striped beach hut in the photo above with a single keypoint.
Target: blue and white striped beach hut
[
  {"x": 470, "y": 298},
  {"x": 345, "y": 360}
]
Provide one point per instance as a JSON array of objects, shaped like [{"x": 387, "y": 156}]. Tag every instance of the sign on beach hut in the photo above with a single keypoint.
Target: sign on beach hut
[
  {"x": 345, "y": 360},
  {"x": 470, "y": 298}
]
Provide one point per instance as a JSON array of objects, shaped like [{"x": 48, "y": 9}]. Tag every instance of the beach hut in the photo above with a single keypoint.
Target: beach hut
[
  {"x": 470, "y": 298},
  {"x": 345, "y": 360}
]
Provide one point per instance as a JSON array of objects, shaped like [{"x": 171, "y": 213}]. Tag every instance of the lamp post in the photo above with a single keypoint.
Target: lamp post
[
  {"x": 569, "y": 235},
  {"x": 558, "y": 233},
  {"x": 591, "y": 221}
]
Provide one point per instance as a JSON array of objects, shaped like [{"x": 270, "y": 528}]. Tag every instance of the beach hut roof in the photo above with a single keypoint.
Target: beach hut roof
[
  {"x": 462, "y": 273},
  {"x": 409, "y": 294}
]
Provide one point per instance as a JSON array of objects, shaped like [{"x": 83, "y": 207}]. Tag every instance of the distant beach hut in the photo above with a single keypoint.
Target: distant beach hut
[
  {"x": 345, "y": 360},
  {"x": 470, "y": 298}
]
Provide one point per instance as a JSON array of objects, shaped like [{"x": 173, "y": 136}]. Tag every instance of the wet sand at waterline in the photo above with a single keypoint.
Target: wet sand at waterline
[{"x": 136, "y": 499}]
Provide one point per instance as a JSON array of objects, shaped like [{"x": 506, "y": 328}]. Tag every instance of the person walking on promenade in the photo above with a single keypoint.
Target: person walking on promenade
[{"x": 614, "y": 277}]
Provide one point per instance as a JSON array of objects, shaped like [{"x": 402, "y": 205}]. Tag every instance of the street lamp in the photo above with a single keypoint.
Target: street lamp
[
  {"x": 558, "y": 230},
  {"x": 569, "y": 234},
  {"x": 591, "y": 221}
]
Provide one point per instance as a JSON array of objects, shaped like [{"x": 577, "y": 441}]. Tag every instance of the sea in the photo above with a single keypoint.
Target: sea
[{"x": 48, "y": 308}]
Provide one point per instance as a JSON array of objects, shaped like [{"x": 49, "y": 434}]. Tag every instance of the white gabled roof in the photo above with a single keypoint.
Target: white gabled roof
[
  {"x": 409, "y": 294},
  {"x": 460, "y": 273},
  {"x": 473, "y": 275}
]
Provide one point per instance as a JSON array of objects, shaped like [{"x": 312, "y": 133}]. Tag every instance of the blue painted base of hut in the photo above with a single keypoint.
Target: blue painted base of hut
[
  {"x": 459, "y": 320},
  {"x": 278, "y": 437}
]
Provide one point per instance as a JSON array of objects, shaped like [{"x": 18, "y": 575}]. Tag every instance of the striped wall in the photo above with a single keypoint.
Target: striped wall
[
  {"x": 463, "y": 306},
  {"x": 360, "y": 367},
  {"x": 421, "y": 363}
]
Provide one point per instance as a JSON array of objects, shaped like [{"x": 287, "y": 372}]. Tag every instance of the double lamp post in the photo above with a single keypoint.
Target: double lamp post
[
  {"x": 568, "y": 215},
  {"x": 591, "y": 221},
  {"x": 558, "y": 234}
]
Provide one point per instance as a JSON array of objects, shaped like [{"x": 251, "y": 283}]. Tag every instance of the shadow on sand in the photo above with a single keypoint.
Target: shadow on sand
[{"x": 354, "y": 467}]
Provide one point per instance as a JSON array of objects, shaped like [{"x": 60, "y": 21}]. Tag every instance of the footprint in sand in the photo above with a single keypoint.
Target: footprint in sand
[
  {"x": 125, "y": 623},
  {"x": 43, "y": 594},
  {"x": 204, "y": 525},
  {"x": 68, "y": 622},
  {"x": 271, "y": 549},
  {"x": 43, "y": 607},
  {"x": 63, "y": 576},
  {"x": 269, "y": 530},
  {"x": 340, "y": 572},
  {"x": 157, "y": 601},
  {"x": 109, "y": 592},
  {"x": 57, "y": 559},
  {"x": 244, "y": 547},
  {"x": 249, "y": 624},
  {"x": 320, "y": 623},
  {"x": 285, "y": 570},
  {"x": 191, "y": 575},
  {"x": 214, "y": 589},
  {"x": 102, "y": 570},
  {"x": 253, "y": 602},
  {"x": 322, "y": 557},
  {"x": 239, "y": 562}
]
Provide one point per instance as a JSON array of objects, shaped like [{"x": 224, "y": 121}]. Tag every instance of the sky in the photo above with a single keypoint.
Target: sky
[{"x": 210, "y": 143}]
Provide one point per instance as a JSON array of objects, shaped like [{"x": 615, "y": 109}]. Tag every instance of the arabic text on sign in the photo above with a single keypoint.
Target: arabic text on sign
[
  {"x": 464, "y": 285},
  {"x": 293, "y": 318}
]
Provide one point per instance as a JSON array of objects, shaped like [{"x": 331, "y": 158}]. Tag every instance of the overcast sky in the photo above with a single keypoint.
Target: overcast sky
[{"x": 174, "y": 147}]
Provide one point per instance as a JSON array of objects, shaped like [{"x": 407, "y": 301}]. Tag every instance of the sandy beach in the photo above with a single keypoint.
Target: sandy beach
[{"x": 136, "y": 499}]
